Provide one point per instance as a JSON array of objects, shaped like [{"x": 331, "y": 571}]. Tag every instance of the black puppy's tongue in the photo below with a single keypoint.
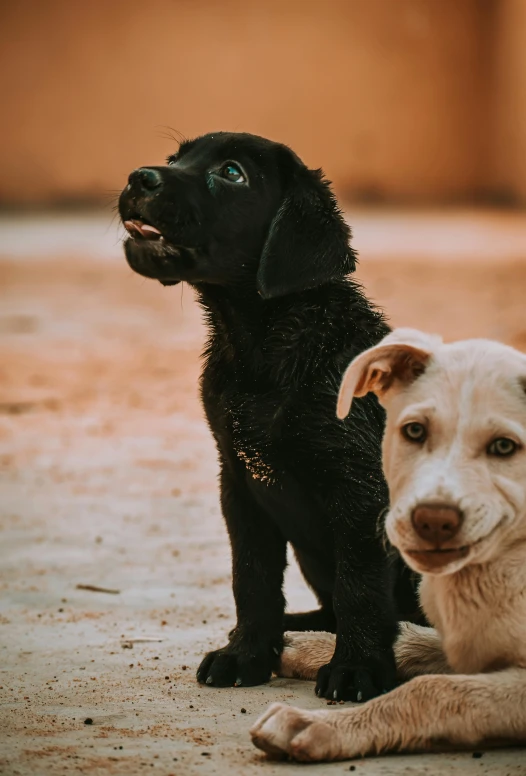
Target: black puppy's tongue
[{"x": 147, "y": 231}]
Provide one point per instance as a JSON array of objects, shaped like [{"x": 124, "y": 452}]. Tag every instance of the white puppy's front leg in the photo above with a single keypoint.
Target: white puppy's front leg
[{"x": 464, "y": 710}]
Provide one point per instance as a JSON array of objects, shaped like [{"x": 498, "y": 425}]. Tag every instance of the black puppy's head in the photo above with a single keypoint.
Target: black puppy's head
[{"x": 234, "y": 209}]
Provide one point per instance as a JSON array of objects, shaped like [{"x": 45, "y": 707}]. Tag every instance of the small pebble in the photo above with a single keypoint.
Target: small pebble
[
  {"x": 88, "y": 721},
  {"x": 243, "y": 711},
  {"x": 166, "y": 677},
  {"x": 352, "y": 768},
  {"x": 205, "y": 754},
  {"x": 477, "y": 755},
  {"x": 184, "y": 668}
]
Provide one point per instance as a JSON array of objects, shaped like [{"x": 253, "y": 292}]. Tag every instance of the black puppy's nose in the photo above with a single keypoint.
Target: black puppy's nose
[
  {"x": 436, "y": 523},
  {"x": 146, "y": 177}
]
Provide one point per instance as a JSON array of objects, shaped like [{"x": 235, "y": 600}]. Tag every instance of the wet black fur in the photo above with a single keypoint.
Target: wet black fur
[{"x": 269, "y": 260}]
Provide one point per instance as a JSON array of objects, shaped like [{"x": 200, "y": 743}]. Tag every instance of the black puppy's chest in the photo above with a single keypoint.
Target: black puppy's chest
[
  {"x": 256, "y": 430},
  {"x": 260, "y": 434},
  {"x": 273, "y": 471}
]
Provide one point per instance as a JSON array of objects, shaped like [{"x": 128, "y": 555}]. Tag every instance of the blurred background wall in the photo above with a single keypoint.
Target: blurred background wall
[{"x": 399, "y": 100}]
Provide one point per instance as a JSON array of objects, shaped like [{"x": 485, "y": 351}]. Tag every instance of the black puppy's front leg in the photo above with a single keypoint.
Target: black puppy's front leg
[
  {"x": 363, "y": 664},
  {"x": 258, "y": 563}
]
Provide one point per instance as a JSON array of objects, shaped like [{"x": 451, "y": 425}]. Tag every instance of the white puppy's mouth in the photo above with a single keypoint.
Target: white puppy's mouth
[{"x": 438, "y": 558}]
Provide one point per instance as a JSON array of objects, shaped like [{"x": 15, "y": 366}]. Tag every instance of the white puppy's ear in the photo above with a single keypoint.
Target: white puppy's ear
[{"x": 401, "y": 356}]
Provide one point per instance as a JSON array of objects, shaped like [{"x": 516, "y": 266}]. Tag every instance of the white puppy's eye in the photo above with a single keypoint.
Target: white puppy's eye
[
  {"x": 414, "y": 432},
  {"x": 231, "y": 172},
  {"x": 502, "y": 447}
]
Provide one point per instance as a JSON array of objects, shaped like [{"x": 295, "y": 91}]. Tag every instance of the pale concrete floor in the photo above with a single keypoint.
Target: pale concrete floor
[{"x": 109, "y": 478}]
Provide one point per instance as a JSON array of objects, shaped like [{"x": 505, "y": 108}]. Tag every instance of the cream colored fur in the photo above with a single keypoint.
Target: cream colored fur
[{"x": 466, "y": 677}]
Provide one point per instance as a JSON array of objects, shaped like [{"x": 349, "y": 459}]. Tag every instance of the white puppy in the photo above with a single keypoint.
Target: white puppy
[{"x": 454, "y": 455}]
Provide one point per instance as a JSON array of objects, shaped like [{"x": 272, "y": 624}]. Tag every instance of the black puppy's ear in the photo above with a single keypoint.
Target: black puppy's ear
[{"x": 308, "y": 240}]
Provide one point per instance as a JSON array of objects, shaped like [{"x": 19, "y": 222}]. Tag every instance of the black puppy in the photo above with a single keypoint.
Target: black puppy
[{"x": 263, "y": 242}]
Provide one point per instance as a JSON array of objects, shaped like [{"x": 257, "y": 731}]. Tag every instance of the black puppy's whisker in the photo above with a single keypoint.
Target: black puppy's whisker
[
  {"x": 110, "y": 198},
  {"x": 112, "y": 203},
  {"x": 115, "y": 217},
  {"x": 172, "y": 134}
]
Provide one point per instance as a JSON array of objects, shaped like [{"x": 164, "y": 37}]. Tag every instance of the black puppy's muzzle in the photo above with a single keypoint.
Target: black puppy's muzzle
[
  {"x": 147, "y": 260},
  {"x": 137, "y": 199},
  {"x": 158, "y": 210},
  {"x": 168, "y": 199},
  {"x": 144, "y": 185}
]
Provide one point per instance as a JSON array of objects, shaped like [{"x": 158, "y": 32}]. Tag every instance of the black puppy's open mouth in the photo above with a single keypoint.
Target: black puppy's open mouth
[
  {"x": 152, "y": 255},
  {"x": 159, "y": 265},
  {"x": 142, "y": 230}
]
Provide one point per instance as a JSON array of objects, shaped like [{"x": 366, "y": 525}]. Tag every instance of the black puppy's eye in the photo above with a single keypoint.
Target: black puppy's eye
[
  {"x": 502, "y": 447},
  {"x": 414, "y": 432},
  {"x": 233, "y": 173}
]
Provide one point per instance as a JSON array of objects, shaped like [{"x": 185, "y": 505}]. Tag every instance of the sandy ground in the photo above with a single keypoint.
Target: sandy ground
[{"x": 109, "y": 479}]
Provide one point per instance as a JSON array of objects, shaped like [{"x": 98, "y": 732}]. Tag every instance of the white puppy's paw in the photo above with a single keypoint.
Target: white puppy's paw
[
  {"x": 303, "y": 735},
  {"x": 304, "y": 653}
]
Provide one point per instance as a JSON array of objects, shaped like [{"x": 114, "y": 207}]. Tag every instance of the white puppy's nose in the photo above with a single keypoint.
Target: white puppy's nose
[{"x": 436, "y": 523}]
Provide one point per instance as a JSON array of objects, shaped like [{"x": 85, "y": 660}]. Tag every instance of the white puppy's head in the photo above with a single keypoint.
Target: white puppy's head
[{"x": 454, "y": 449}]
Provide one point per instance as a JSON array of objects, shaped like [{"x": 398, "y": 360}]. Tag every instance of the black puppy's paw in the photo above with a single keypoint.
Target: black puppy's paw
[
  {"x": 236, "y": 666},
  {"x": 358, "y": 681}
]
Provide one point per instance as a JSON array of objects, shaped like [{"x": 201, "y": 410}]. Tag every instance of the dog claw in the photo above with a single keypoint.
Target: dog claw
[
  {"x": 335, "y": 695},
  {"x": 238, "y": 683},
  {"x": 359, "y": 696},
  {"x": 209, "y": 680}
]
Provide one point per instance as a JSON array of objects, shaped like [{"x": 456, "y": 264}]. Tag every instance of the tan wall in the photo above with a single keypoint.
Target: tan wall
[
  {"x": 387, "y": 95},
  {"x": 508, "y": 107}
]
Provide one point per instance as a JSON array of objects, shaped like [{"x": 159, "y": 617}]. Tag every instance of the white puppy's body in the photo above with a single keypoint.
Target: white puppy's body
[
  {"x": 454, "y": 456},
  {"x": 480, "y": 613}
]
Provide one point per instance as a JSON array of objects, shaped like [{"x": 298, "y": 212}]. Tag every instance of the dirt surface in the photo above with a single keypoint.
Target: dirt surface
[{"x": 109, "y": 478}]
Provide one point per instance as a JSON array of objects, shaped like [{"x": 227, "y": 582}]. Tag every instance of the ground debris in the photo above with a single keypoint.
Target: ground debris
[
  {"x": 97, "y": 589},
  {"x": 128, "y": 643}
]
